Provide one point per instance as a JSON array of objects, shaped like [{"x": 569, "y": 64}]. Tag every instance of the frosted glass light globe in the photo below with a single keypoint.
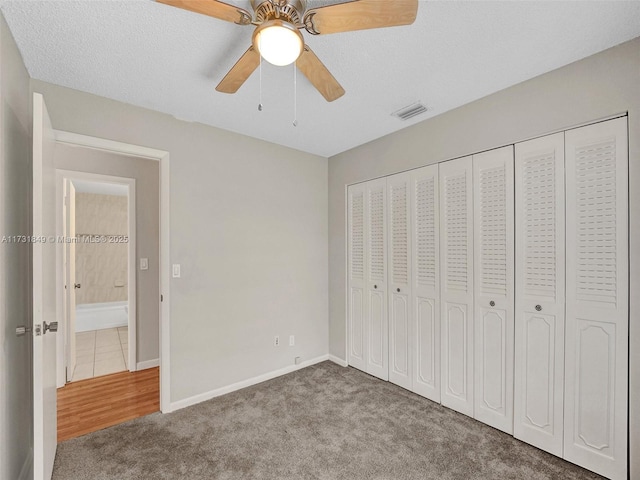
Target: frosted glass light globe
[{"x": 279, "y": 43}]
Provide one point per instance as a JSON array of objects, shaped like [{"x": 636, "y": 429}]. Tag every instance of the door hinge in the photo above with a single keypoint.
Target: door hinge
[{"x": 161, "y": 298}]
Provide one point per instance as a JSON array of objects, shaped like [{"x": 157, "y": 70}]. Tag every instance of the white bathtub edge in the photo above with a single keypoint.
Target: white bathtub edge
[
  {"x": 101, "y": 316},
  {"x": 148, "y": 364},
  {"x": 101, "y": 305}
]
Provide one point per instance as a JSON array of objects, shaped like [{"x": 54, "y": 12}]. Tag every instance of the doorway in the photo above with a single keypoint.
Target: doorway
[
  {"x": 116, "y": 359},
  {"x": 99, "y": 251},
  {"x": 159, "y": 261}
]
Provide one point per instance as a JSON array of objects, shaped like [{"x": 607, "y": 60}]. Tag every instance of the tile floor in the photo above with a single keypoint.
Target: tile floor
[{"x": 101, "y": 352}]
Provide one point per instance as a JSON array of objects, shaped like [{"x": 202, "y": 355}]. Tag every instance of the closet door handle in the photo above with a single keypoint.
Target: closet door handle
[
  {"x": 398, "y": 290},
  {"x": 375, "y": 286},
  {"x": 492, "y": 303},
  {"x": 538, "y": 308}
]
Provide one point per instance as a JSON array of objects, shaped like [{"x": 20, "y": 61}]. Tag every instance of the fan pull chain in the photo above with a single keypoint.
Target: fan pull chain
[
  {"x": 260, "y": 99},
  {"x": 295, "y": 95}
]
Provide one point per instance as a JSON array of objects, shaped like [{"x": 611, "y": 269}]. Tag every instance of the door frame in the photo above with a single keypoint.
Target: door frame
[
  {"x": 64, "y": 341},
  {"x": 164, "y": 294}
]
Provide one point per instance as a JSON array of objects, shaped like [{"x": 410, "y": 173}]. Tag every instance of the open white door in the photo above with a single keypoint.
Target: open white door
[
  {"x": 44, "y": 293},
  {"x": 71, "y": 285}
]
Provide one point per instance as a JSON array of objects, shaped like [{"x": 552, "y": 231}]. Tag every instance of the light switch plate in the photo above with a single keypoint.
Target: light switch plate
[
  {"x": 176, "y": 270},
  {"x": 144, "y": 264}
]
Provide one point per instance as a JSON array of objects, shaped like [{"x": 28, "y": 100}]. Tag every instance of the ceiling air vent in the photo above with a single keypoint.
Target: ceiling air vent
[{"x": 410, "y": 111}]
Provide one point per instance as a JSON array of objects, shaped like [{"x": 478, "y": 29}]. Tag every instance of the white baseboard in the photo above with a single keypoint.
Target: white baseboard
[
  {"x": 187, "y": 402},
  {"x": 26, "y": 473},
  {"x": 339, "y": 361},
  {"x": 148, "y": 364}
]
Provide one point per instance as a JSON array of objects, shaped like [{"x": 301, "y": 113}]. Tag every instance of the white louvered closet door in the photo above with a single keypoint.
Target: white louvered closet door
[
  {"x": 425, "y": 286},
  {"x": 493, "y": 287},
  {"x": 540, "y": 293},
  {"x": 400, "y": 311},
  {"x": 376, "y": 282},
  {"x": 356, "y": 297},
  {"x": 456, "y": 284},
  {"x": 596, "y": 375}
]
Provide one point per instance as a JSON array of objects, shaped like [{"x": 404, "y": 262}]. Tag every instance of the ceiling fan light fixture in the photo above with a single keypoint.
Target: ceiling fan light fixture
[{"x": 279, "y": 42}]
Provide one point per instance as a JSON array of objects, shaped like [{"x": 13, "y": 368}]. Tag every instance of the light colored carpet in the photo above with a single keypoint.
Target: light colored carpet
[{"x": 322, "y": 422}]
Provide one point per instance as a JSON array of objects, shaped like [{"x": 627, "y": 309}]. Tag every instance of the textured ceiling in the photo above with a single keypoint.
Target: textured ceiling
[{"x": 170, "y": 60}]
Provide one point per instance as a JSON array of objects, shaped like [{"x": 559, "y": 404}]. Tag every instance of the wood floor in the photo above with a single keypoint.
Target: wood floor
[{"x": 89, "y": 405}]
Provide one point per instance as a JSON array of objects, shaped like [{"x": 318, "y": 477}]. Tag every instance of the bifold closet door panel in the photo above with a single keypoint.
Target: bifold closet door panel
[
  {"x": 399, "y": 256},
  {"x": 377, "y": 349},
  {"x": 596, "y": 375},
  {"x": 356, "y": 296},
  {"x": 456, "y": 284},
  {"x": 494, "y": 287},
  {"x": 425, "y": 286},
  {"x": 540, "y": 292}
]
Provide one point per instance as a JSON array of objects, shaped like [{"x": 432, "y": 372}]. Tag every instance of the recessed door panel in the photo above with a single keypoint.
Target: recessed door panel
[
  {"x": 399, "y": 340},
  {"x": 427, "y": 347},
  {"x": 539, "y": 366},
  {"x": 595, "y": 383},
  {"x": 493, "y": 325},
  {"x": 377, "y": 330},
  {"x": 456, "y": 327},
  {"x": 356, "y": 327}
]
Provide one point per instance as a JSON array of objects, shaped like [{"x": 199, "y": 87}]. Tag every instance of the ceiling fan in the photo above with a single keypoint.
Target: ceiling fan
[{"x": 278, "y": 40}]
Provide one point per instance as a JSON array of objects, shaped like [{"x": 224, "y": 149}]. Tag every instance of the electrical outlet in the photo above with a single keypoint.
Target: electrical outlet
[
  {"x": 276, "y": 341},
  {"x": 292, "y": 340}
]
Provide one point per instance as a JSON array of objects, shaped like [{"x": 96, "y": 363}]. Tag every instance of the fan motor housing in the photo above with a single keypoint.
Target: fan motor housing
[{"x": 288, "y": 10}]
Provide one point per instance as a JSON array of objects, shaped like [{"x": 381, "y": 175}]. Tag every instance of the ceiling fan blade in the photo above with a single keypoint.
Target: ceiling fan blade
[
  {"x": 319, "y": 75},
  {"x": 239, "y": 73},
  {"x": 360, "y": 15},
  {"x": 213, "y": 8}
]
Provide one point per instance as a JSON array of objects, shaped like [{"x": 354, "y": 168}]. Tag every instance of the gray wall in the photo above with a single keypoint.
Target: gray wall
[
  {"x": 249, "y": 227},
  {"x": 16, "y": 425},
  {"x": 605, "y": 84},
  {"x": 147, "y": 175}
]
